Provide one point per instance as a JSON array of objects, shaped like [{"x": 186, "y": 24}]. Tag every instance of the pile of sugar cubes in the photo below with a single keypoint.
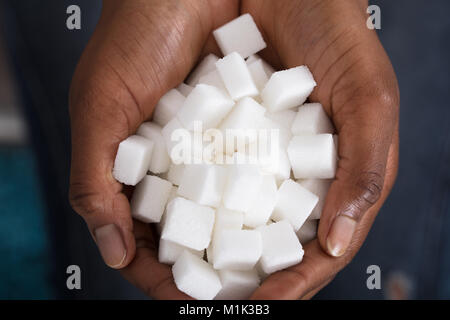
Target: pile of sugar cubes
[{"x": 229, "y": 216}]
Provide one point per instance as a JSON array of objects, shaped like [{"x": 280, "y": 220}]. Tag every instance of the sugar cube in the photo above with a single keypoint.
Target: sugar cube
[
  {"x": 236, "y": 249},
  {"x": 259, "y": 75},
  {"x": 196, "y": 277},
  {"x": 203, "y": 184},
  {"x": 160, "y": 159},
  {"x": 311, "y": 118},
  {"x": 267, "y": 67},
  {"x": 288, "y": 88},
  {"x": 284, "y": 118},
  {"x": 308, "y": 231},
  {"x": 213, "y": 79},
  {"x": 206, "y": 104},
  {"x": 284, "y": 133},
  {"x": 167, "y": 107},
  {"x": 173, "y": 193},
  {"x": 313, "y": 156},
  {"x": 250, "y": 59},
  {"x": 294, "y": 204},
  {"x": 188, "y": 224},
  {"x": 175, "y": 173},
  {"x": 237, "y": 285},
  {"x": 264, "y": 203},
  {"x": 207, "y": 65},
  {"x": 320, "y": 188},
  {"x": 209, "y": 253},
  {"x": 225, "y": 219},
  {"x": 236, "y": 76},
  {"x": 246, "y": 115},
  {"x": 149, "y": 199},
  {"x": 132, "y": 160},
  {"x": 185, "y": 89},
  {"x": 168, "y": 251},
  {"x": 228, "y": 219},
  {"x": 281, "y": 248},
  {"x": 240, "y": 35},
  {"x": 275, "y": 162},
  {"x": 175, "y": 134},
  {"x": 242, "y": 186}
]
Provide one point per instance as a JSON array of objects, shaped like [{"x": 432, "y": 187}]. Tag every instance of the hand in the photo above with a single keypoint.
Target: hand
[
  {"x": 139, "y": 50},
  {"x": 358, "y": 88}
]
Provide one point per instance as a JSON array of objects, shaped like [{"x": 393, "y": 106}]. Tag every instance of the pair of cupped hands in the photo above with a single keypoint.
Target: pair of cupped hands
[{"x": 142, "y": 48}]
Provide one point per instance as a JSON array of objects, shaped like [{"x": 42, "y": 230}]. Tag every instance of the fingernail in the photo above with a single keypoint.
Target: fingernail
[
  {"x": 110, "y": 244},
  {"x": 340, "y": 235}
]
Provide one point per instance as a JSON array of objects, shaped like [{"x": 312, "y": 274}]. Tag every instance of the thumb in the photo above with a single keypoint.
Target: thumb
[
  {"x": 96, "y": 195},
  {"x": 366, "y": 129}
]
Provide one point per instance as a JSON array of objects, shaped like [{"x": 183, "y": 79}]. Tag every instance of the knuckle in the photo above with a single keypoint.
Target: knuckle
[
  {"x": 85, "y": 203},
  {"x": 369, "y": 186}
]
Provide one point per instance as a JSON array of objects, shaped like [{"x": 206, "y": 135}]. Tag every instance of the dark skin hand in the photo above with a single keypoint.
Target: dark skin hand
[{"x": 141, "y": 49}]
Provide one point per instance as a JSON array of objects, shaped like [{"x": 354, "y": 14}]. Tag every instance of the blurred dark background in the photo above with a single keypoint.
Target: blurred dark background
[{"x": 40, "y": 235}]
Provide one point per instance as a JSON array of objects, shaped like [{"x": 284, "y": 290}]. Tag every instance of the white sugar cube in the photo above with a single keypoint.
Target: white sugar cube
[
  {"x": 320, "y": 188},
  {"x": 276, "y": 163},
  {"x": 284, "y": 118},
  {"x": 262, "y": 207},
  {"x": 288, "y": 88},
  {"x": 168, "y": 251},
  {"x": 167, "y": 107},
  {"x": 259, "y": 75},
  {"x": 175, "y": 134},
  {"x": 213, "y": 79},
  {"x": 267, "y": 67},
  {"x": 206, "y": 104},
  {"x": 133, "y": 159},
  {"x": 236, "y": 249},
  {"x": 242, "y": 186},
  {"x": 207, "y": 65},
  {"x": 284, "y": 133},
  {"x": 294, "y": 204},
  {"x": 237, "y": 285},
  {"x": 196, "y": 277},
  {"x": 240, "y": 35},
  {"x": 313, "y": 156},
  {"x": 185, "y": 89},
  {"x": 149, "y": 199},
  {"x": 175, "y": 173},
  {"x": 308, "y": 231},
  {"x": 252, "y": 59},
  {"x": 160, "y": 225},
  {"x": 173, "y": 194},
  {"x": 236, "y": 76},
  {"x": 188, "y": 224},
  {"x": 228, "y": 219},
  {"x": 209, "y": 253},
  {"x": 246, "y": 115},
  {"x": 281, "y": 248},
  {"x": 203, "y": 184},
  {"x": 160, "y": 159},
  {"x": 225, "y": 219},
  {"x": 311, "y": 119}
]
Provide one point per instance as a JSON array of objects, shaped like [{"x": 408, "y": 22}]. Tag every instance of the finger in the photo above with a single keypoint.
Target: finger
[
  {"x": 317, "y": 267},
  {"x": 145, "y": 272},
  {"x": 366, "y": 127},
  {"x": 313, "y": 292}
]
